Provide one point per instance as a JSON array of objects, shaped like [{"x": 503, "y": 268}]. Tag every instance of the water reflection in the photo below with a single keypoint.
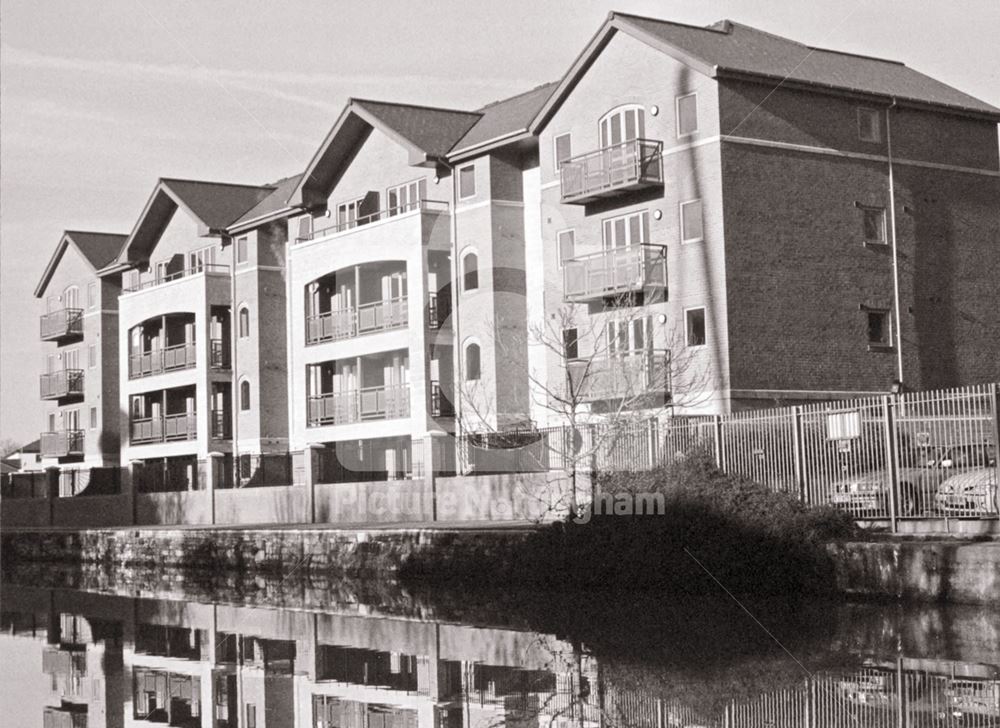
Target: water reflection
[{"x": 109, "y": 661}]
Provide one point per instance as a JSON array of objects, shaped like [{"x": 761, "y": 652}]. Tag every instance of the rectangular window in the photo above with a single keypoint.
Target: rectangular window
[
  {"x": 71, "y": 359},
  {"x": 694, "y": 325},
  {"x": 570, "y": 344},
  {"x": 92, "y": 294},
  {"x": 52, "y": 422},
  {"x": 160, "y": 270},
  {"x": 251, "y": 715},
  {"x": 305, "y": 227},
  {"x": 869, "y": 125},
  {"x": 405, "y": 197},
  {"x": 199, "y": 259},
  {"x": 566, "y": 242},
  {"x": 563, "y": 149},
  {"x": 687, "y": 114},
  {"x": 692, "y": 225},
  {"x": 132, "y": 280},
  {"x": 93, "y": 418},
  {"x": 92, "y": 356},
  {"x": 879, "y": 324},
  {"x": 348, "y": 213},
  {"x": 242, "y": 250},
  {"x": 631, "y": 229},
  {"x": 467, "y": 182},
  {"x": 873, "y": 225}
]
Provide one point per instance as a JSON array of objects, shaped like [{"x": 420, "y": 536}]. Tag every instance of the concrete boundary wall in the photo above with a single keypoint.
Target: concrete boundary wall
[{"x": 501, "y": 497}]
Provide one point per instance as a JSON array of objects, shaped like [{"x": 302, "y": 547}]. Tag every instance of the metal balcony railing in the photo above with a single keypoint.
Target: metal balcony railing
[
  {"x": 368, "y": 318},
  {"x": 61, "y": 324},
  {"x": 221, "y": 426},
  {"x": 167, "y": 428},
  {"x": 438, "y": 310},
  {"x": 621, "y": 376},
  {"x": 384, "y": 213},
  {"x": 61, "y": 443},
  {"x": 157, "y": 361},
  {"x": 613, "y": 170},
  {"x": 60, "y": 384},
  {"x": 194, "y": 270},
  {"x": 218, "y": 354},
  {"x": 615, "y": 271},
  {"x": 368, "y": 403},
  {"x": 441, "y": 405}
]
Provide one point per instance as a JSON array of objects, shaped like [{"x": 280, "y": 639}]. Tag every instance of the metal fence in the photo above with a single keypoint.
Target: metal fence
[{"x": 905, "y": 456}]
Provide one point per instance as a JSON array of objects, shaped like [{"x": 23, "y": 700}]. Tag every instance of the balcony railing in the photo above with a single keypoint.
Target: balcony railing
[
  {"x": 368, "y": 318},
  {"x": 624, "y": 376},
  {"x": 218, "y": 354},
  {"x": 221, "y": 425},
  {"x": 54, "y": 717},
  {"x": 368, "y": 403},
  {"x": 62, "y": 324},
  {"x": 438, "y": 310},
  {"x": 441, "y": 406},
  {"x": 64, "y": 383},
  {"x": 614, "y": 272},
  {"x": 157, "y": 281},
  {"x": 61, "y": 443},
  {"x": 613, "y": 170},
  {"x": 157, "y": 361},
  {"x": 167, "y": 428},
  {"x": 383, "y": 214}
]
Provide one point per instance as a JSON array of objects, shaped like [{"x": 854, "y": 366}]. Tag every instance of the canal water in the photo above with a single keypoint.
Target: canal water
[{"x": 78, "y": 653}]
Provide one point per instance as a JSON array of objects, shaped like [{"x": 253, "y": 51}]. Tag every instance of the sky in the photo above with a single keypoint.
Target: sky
[{"x": 100, "y": 99}]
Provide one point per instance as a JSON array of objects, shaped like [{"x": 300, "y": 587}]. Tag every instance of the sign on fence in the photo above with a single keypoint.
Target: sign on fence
[{"x": 843, "y": 425}]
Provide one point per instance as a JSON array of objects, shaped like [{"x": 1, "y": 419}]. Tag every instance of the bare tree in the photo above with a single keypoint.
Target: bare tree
[{"x": 604, "y": 383}]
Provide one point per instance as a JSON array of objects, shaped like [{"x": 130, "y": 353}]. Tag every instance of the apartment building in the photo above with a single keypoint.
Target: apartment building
[
  {"x": 691, "y": 220},
  {"x": 78, "y": 384},
  {"x": 176, "y": 328}
]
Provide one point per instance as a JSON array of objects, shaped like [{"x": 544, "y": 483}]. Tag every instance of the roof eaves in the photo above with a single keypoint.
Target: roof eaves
[
  {"x": 50, "y": 267},
  {"x": 458, "y": 155},
  {"x": 255, "y": 221}
]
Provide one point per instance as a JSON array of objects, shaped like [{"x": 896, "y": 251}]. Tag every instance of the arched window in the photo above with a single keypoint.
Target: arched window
[
  {"x": 470, "y": 272},
  {"x": 71, "y": 297},
  {"x": 472, "y": 367},
  {"x": 622, "y": 125},
  {"x": 244, "y": 395},
  {"x": 244, "y": 322}
]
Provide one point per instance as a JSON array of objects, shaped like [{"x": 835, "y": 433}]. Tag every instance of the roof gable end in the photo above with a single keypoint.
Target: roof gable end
[{"x": 97, "y": 249}]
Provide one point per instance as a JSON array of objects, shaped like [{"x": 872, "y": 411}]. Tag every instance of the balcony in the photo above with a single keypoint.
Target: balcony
[
  {"x": 614, "y": 170},
  {"x": 66, "y": 663},
  {"x": 66, "y": 323},
  {"x": 626, "y": 376},
  {"x": 615, "y": 272},
  {"x": 210, "y": 268},
  {"x": 431, "y": 206},
  {"x": 62, "y": 443},
  {"x": 168, "y": 428},
  {"x": 54, "y": 717},
  {"x": 362, "y": 405},
  {"x": 221, "y": 428},
  {"x": 368, "y": 318},
  {"x": 62, "y": 384},
  {"x": 438, "y": 310},
  {"x": 441, "y": 406}
]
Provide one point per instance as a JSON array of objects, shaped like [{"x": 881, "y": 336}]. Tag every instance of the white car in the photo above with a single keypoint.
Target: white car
[{"x": 972, "y": 492}]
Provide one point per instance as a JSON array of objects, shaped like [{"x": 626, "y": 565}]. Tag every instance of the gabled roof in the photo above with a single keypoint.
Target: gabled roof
[
  {"x": 733, "y": 49},
  {"x": 426, "y": 132},
  {"x": 98, "y": 249},
  {"x": 504, "y": 119},
  {"x": 274, "y": 204},
  {"x": 213, "y": 205}
]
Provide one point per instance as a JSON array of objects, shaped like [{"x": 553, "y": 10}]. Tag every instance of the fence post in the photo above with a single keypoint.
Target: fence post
[
  {"x": 652, "y": 442},
  {"x": 312, "y": 467},
  {"x": 890, "y": 459},
  {"x": 798, "y": 452},
  {"x": 51, "y": 492},
  {"x": 214, "y": 471},
  {"x": 995, "y": 406},
  {"x": 718, "y": 443}
]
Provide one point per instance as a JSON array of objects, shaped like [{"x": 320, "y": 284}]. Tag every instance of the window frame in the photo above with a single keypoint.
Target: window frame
[
  {"x": 93, "y": 418},
  {"x": 607, "y": 224},
  {"x": 469, "y": 343},
  {"x": 244, "y": 392},
  {"x": 877, "y": 126},
  {"x": 409, "y": 205},
  {"x": 687, "y": 327},
  {"x": 677, "y": 114},
  {"x": 92, "y": 356},
  {"x": 559, "y": 246},
  {"x": 465, "y": 256},
  {"x": 243, "y": 245},
  {"x": 884, "y": 240},
  {"x": 240, "y": 333},
  {"x": 604, "y": 138},
  {"x": 459, "y": 171},
  {"x": 888, "y": 325},
  {"x": 92, "y": 297},
  {"x": 681, "y": 218},
  {"x": 574, "y": 343},
  {"x": 555, "y": 150}
]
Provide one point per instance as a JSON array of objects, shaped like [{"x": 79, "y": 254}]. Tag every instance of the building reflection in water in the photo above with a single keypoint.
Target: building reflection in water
[{"x": 112, "y": 661}]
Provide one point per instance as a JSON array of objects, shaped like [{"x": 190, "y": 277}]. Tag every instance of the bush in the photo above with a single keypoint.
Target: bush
[{"x": 717, "y": 531}]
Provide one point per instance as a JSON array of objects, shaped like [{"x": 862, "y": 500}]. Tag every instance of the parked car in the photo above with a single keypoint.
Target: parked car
[
  {"x": 972, "y": 491},
  {"x": 867, "y": 493}
]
